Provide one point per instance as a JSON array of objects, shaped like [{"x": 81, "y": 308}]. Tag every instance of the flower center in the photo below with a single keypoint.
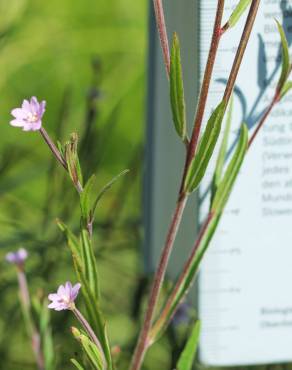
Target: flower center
[
  {"x": 65, "y": 299},
  {"x": 32, "y": 117}
]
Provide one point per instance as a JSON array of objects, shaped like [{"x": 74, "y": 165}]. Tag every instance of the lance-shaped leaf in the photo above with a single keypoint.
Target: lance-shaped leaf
[
  {"x": 222, "y": 151},
  {"x": 89, "y": 261},
  {"x": 226, "y": 185},
  {"x": 85, "y": 197},
  {"x": 77, "y": 364},
  {"x": 286, "y": 88},
  {"x": 199, "y": 164},
  {"x": 177, "y": 98},
  {"x": 237, "y": 12},
  {"x": 92, "y": 352},
  {"x": 104, "y": 190},
  {"x": 285, "y": 58},
  {"x": 187, "y": 357}
]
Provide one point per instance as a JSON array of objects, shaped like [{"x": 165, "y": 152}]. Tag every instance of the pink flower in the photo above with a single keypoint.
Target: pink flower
[
  {"x": 29, "y": 116},
  {"x": 17, "y": 257},
  {"x": 65, "y": 297}
]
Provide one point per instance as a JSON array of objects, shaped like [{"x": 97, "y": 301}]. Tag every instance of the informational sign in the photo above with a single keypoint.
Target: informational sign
[{"x": 244, "y": 290}]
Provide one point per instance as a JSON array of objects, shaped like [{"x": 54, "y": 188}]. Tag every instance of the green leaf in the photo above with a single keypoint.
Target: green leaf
[
  {"x": 286, "y": 88},
  {"x": 187, "y": 357},
  {"x": 226, "y": 185},
  {"x": 237, "y": 12},
  {"x": 90, "y": 264},
  {"x": 205, "y": 150},
  {"x": 223, "y": 149},
  {"x": 46, "y": 337},
  {"x": 105, "y": 189},
  {"x": 183, "y": 285},
  {"x": 285, "y": 58},
  {"x": 91, "y": 350},
  {"x": 73, "y": 242},
  {"x": 177, "y": 98},
  {"x": 85, "y": 198},
  {"x": 77, "y": 364}
]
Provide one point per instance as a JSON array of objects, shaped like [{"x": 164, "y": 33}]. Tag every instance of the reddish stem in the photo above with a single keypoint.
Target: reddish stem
[
  {"x": 241, "y": 49},
  {"x": 160, "y": 21},
  {"x": 53, "y": 148},
  {"x": 267, "y": 112},
  {"x": 217, "y": 33},
  {"x": 143, "y": 341},
  {"x": 164, "y": 314}
]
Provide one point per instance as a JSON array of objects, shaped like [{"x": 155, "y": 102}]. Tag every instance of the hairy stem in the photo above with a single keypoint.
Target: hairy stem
[
  {"x": 166, "y": 314},
  {"x": 160, "y": 21},
  {"x": 143, "y": 341},
  {"x": 263, "y": 119},
  {"x": 53, "y": 148},
  {"x": 241, "y": 49},
  {"x": 206, "y": 82}
]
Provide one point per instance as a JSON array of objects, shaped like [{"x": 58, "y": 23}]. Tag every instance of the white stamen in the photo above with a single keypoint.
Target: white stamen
[{"x": 32, "y": 117}]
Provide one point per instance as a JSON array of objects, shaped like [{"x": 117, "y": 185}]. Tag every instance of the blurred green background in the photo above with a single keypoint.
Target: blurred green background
[{"x": 87, "y": 59}]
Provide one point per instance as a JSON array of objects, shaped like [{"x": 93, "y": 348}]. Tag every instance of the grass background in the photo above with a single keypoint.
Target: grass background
[{"x": 87, "y": 59}]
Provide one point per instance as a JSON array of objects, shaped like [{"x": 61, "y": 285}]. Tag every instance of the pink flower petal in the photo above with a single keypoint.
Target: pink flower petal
[
  {"x": 75, "y": 291},
  {"x": 34, "y": 105},
  {"x": 61, "y": 290},
  {"x": 26, "y": 105},
  {"x": 17, "y": 123},
  {"x": 19, "y": 113}
]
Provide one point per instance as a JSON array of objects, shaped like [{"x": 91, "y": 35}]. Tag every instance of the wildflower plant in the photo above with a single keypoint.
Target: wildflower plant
[{"x": 200, "y": 144}]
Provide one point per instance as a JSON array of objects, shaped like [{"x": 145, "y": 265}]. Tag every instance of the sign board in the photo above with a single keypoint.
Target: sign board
[{"x": 244, "y": 294}]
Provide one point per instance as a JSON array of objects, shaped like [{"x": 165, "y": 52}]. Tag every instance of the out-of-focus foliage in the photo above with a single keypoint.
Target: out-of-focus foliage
[{"x": 87, "y": 59}]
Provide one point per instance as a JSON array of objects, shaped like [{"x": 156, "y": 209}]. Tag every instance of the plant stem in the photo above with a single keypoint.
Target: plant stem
[
  {"x": 160, "y": 21},
  {"x": 26, "y": 306},
  {"x": 274, "y": 101},
  {"x": 89, "y": 331},
  {"x": 206, "y": 83},
  {"x": 143, "y": 341},
  {"x": 165, "y": 317},
  {"x": 241, "y": 49},
  {"x": 58, "y": 156},
  {"x": 53, "y": 147}
]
